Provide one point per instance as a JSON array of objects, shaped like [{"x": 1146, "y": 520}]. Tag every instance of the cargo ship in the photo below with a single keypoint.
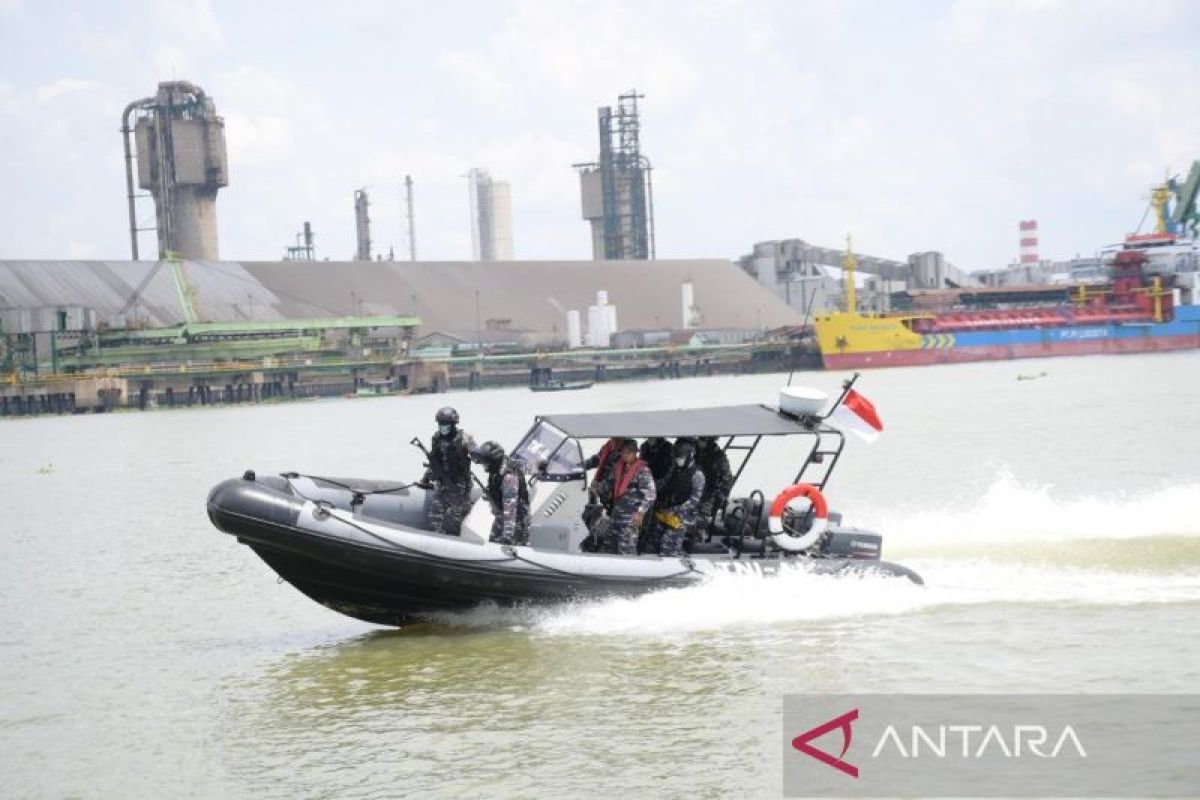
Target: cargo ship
[{"x": 1144, "y": 305}]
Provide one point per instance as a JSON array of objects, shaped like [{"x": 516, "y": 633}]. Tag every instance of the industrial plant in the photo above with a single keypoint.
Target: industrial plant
[{"x": 190, "y": 328}]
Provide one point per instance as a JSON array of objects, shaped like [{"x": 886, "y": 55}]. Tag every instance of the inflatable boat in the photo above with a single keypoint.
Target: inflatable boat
[{"x": 367, "y": 548}]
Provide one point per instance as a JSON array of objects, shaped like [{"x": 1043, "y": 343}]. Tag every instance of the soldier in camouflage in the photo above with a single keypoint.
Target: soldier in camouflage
[
  {"x": 630, "y": 488},
  {"x": 718, "y": 479},
  {"x": 449, "y": 472},
  {"x": 507, "y": 492},
  {"x": 679, "y": 499},
  {"x": 657, "y": 453}
]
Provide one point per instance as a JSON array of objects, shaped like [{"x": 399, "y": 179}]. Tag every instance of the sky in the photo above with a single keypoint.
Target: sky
[{"x": 912, "y": 125}]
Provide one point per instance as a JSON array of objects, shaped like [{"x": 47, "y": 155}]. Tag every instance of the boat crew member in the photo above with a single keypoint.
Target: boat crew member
[
  {"x": 603, "y": 461},
  {"x": 718, "y": 478},
  {"x": 631, "y": 489},
  {"x": 449, "y": 470},
  {"x": 507, "y": 492},
  {"x": 600, "y": 500},
  {"x": 656, "y": 452},
  {"x": 679, "y": 499}
]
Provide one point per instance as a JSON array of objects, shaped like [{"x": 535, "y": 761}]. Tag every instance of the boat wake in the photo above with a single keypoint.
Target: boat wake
[
  {"x": 1021, "y": 517},
  {"x": 749, "y": 600}
]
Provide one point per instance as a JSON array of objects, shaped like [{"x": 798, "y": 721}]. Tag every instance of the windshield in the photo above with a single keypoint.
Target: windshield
[{"x": 546, "y": 444}]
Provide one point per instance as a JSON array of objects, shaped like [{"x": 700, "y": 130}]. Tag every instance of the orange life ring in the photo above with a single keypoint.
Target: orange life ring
[{"x": 780, "y": 535}]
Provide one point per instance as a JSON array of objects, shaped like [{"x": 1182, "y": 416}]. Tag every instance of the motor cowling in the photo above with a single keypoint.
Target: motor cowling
[{"x": 853, "y": 543}]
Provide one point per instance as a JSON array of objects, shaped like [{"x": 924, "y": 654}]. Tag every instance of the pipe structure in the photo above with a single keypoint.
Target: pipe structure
[
  {"x": 650, "y": 201},
  {"x": 145, "y": 102}
]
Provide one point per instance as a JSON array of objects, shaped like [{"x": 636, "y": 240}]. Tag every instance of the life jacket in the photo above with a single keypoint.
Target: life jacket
[
  {"x": 449, "y": 458},
  {"x": 604, "y": 458},
  {"x": 604, "y": 462},
  {"x": 624, "y": 475},
  {"x": 677, "y": 488},
  {"x": 495, "y": 485}
]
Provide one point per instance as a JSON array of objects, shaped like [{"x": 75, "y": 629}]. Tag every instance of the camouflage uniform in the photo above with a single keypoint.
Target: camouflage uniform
[
  {"x": 635, "y": 497},
  {"x": 718, "y": 480},
  {"x": 450, "y": 472},
  {"x": 679, "y": 497},
  {"x": 509, "y": 496}
]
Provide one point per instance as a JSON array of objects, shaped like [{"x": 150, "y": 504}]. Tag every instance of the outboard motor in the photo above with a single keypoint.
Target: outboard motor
[{"x": 852, "y": 543}]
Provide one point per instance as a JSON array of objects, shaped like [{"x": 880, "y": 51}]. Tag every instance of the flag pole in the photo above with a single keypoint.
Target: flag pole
[{"x": 846, "y": 386}]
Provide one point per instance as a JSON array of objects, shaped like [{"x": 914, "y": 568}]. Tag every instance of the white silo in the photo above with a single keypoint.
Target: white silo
[
  {"x": 574, "y": 330},
  {"x": 687, "y": 300}
]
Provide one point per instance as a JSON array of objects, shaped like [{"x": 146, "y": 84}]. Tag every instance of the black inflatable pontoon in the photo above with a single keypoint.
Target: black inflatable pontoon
[{"x": 366, "y": 549}]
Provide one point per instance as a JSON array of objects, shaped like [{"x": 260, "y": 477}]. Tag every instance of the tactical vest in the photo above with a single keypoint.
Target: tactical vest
[
  {"x": 449, "y": 458},
  {"x": 495, "y": 486},
  {"x": 677, "y": 488}
]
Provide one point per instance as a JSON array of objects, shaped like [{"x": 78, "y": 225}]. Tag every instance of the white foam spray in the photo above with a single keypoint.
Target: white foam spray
[
  {"x": 1010, "y": 511},
  {"x": 750, "y": 600},
  {"x": 965, "y": 555}
]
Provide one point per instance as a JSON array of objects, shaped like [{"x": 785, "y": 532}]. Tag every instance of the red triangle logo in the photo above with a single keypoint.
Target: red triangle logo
[{"x": 801, "y": 742}]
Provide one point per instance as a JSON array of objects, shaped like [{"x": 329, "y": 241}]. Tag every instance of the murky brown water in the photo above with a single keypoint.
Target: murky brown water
[{"x": 143, "y": 654}]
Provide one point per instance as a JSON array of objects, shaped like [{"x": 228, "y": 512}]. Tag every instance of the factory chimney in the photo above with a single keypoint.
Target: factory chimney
[
  {"x": 181, "y": 160},
  {"x": 412, "y": 227},
  {"x": 1029, "y": 242},
  {"x": 362, "y": 226}
]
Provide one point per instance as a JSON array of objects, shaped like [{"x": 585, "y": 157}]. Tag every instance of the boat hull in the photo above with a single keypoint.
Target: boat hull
[
  {"x": 1182, "y": 333},
  {"x": 391, "y": 574}
]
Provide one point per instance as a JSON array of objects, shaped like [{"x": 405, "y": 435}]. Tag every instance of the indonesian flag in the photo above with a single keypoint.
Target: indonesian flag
[{"x": 857, "y": 414}]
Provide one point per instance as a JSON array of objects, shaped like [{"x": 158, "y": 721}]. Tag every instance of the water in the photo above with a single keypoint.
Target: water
[{"x": 144, "y": 654}]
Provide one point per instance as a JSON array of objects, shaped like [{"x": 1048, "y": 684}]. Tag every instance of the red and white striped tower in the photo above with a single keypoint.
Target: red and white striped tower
[{"x": 1029, "y": 241}]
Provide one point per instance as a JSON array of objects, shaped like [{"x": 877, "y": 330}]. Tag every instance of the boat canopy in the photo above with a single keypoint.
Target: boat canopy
[{"x": 741, "y": 420}]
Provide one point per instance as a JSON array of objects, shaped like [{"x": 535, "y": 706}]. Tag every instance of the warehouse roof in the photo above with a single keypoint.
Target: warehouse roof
[{"x": 449, "y": 295}]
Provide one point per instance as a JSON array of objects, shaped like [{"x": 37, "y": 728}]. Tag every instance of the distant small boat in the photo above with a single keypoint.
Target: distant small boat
[{"x": 560, "y": 386}]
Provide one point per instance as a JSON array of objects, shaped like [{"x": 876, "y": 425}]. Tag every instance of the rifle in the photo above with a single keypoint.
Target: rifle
[
  {"x": 417, "y": 443},
  {"x": 596, "y": 523}
]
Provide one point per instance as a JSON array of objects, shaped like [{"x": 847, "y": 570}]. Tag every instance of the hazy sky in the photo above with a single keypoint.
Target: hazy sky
[{"x": 915, "y": 125}]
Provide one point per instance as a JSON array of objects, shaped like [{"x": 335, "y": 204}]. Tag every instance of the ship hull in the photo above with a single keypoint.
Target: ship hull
[{"x": 1182, "y": 333}]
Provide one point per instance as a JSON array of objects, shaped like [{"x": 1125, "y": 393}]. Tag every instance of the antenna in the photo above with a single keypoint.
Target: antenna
[{"x": 807, "y": 311}]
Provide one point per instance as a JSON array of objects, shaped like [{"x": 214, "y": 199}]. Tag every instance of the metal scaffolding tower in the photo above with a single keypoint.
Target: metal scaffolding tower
[
  {"x": 303, "y": 249},
  {"x": 618, "y": 195}
]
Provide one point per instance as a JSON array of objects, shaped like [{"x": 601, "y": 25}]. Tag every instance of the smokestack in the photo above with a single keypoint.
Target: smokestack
[
  {"x": 412, "y": 228},
  {"x": 1029, "y": 241},
  {"x": 362, "y": 226}
]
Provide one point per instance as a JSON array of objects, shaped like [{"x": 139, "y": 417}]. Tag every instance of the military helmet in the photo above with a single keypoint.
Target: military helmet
[
  {"x": 487, "y": 453},
  {"x": 684, "y": 451},
  {"x": 446, "y": 416}
]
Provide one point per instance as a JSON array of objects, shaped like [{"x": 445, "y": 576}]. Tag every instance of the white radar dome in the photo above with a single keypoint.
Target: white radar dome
[{"x": 802, "y": 401}]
